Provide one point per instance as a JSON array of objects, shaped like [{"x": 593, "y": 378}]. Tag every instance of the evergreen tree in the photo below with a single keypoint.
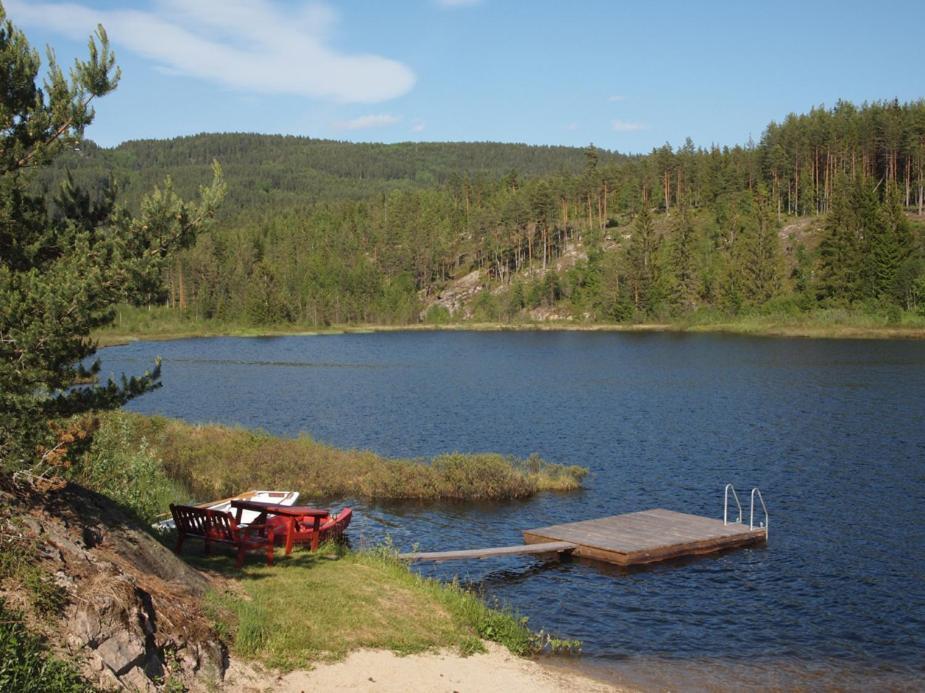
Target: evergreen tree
[
  {"x": 760, "y": 260},
  {"x": 684, "y": 279},
  {"x": 61, "y": 273},
  {"x": 641, "y": 256},
  {"x": 889, "y": 243},
  {"x": 839, "y": 257}
]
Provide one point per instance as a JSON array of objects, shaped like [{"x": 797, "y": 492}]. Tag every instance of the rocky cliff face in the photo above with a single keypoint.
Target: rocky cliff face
[{"x": 128, "y": 610}]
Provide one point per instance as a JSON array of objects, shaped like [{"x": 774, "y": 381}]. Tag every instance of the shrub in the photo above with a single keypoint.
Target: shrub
[
  {"x": 120, "y": 464},
  {"x": 437, "y": 315}
]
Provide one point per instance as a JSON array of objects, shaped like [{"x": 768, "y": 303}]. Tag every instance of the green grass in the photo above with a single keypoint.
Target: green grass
[
  {"x": 21, "y": 571},
  {"x": 161, "y": 322},
  {"x": 25, "y": 664},
  {"x": 217, "y": 461},
  {"x": 821, "y": 322},
  {"x": 313, "y": 607},
  {"x": 782, "y": 318}
]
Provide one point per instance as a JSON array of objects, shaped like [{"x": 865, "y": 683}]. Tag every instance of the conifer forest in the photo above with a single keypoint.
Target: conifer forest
[{"x": 826, "y": 210}]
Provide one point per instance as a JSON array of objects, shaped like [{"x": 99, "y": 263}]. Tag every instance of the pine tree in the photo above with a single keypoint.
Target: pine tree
[
  {"x": 684, "y": 273},
  {"x": 761, "y": 260},
  {"x": 889, "y": 243},
  {"x": 754, "y": 270},
  {"x": 62, "y": 272},
  {"x": 839, "y": 257},
  {"x": 641, "y": 260}
]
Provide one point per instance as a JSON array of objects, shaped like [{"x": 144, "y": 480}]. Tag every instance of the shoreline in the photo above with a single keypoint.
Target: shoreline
[
  {"x": 790, "y": 331},
  {"x": 386, "y": 672}
]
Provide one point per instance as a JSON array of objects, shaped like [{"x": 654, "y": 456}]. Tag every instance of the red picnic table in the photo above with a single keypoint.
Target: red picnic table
[{"x": 291, "y": 513}]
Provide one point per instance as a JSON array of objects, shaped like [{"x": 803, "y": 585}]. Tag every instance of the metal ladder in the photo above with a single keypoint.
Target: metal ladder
[{"x": 751, "y": 514}]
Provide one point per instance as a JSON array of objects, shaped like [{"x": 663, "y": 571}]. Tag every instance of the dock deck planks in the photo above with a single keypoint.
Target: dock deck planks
[
  {"x": 630, "y": 539},
  {"x": 647, "y": 536}
]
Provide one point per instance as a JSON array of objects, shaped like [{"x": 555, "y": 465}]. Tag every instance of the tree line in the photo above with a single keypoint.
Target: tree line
[{"x": 321, "y": 232}]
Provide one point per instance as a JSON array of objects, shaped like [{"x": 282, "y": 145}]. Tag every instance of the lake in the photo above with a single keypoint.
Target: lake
[{"x": 832, "y": 431}]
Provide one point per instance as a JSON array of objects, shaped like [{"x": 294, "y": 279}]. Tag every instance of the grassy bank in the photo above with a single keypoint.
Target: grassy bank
[
  {"x": 307, "y": 607},
  {"x": 181, "y": 460},
  {"x": 834, "y": 323},
  {"x": 314, "y": 607}
]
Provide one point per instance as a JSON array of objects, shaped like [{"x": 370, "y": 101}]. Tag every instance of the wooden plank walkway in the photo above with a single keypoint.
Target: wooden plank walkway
[
  {"x": 536, "y": 547},
  {"x": 630, "y": 539},
  {"x": 647, "y": 536}
]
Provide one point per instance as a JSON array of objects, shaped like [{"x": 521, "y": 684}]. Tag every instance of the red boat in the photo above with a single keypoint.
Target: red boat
[{"x": 331, "y": 528}]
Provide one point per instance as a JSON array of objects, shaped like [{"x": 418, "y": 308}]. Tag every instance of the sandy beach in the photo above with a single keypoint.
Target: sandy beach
[{"x": 439, "y": 672}]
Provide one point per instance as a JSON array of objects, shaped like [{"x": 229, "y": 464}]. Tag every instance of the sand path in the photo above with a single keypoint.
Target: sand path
[{"x": 385, "y": 672}]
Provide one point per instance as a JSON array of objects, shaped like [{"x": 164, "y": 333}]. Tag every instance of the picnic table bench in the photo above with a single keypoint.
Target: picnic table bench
[
  {"x": 292, "y": 515},
  {"x": 221, "y": 527}
]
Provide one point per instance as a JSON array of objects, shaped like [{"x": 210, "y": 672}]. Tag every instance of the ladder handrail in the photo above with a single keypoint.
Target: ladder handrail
[
  {"x": 735, "y": 497},
  {"x": 751, "y": 519}
]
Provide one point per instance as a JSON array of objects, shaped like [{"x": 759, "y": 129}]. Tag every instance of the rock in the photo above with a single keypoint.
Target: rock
[
  {"x": 153, "y": 667},
  {"x": 121, "y": 652},
  {"x": 136, "y": 680},
  {"x": 95, "y": 663},
  {"x": 131, "y": 600},
  {"x": 33, "y": 525},
  {"x": 85, "y": 626},
  {"x": 91, "y": 537},
  {"x": 64, "y": 580},
  {"x": 211, "y": 661},
  {"x": 109, "y": 681},
  {"x": 70, "y": 550}
]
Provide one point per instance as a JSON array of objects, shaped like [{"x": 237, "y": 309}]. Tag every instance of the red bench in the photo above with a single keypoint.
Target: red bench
[{"x": 218, "y": 526}]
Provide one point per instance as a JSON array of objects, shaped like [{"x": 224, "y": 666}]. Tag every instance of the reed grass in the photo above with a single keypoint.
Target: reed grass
[{"x": 213, "y": 461}]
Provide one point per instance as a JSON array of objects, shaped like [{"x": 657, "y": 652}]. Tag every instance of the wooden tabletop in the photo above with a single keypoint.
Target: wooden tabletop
[{"x": 276, "y": 509}]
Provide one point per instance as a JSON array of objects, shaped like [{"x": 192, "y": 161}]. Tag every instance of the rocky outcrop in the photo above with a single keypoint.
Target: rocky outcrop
[
  {"x": 457, "y": 296},
  {"x": 132, "y": 614}
]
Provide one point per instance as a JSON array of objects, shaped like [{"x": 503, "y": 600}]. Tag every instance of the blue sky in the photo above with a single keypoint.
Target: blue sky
[{"x": 625, "y": 76}]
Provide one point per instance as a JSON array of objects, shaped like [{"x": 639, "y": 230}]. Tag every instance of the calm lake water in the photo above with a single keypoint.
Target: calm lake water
[{"x": 832, "y": 431}]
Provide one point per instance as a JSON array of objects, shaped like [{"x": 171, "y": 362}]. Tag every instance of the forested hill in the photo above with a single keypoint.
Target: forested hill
[
  {"x": 825, "y": 211},
  {"x": 308, "y": 170}
]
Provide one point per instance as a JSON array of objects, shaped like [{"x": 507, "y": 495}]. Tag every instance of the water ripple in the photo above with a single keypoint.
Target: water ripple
[{"x": 832, "y": 431}]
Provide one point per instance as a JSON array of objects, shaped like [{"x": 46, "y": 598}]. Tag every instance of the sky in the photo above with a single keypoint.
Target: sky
[{"x": 625, "y": 76}]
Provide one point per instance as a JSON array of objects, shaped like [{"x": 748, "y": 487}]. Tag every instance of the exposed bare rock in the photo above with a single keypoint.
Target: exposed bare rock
[
  {"x": 457, "y": 295},
  {"x": 121, "y": 651},
  {"x": 133, "y": 615}
]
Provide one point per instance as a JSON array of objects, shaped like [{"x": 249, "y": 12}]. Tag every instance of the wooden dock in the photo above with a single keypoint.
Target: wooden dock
[
  {"x": 648, "y": 536},
  {"x": 630, "y": 539},
  {"x": 548, "y": 547}
]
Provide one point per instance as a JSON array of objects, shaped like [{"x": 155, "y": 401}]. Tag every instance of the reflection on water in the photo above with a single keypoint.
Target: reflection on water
[{"x": 832, "y": 431}]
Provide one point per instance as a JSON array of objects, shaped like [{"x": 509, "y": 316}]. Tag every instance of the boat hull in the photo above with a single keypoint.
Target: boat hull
[
  {"x": 247, "y": 516},
  {"x": 331, "y": 528}
]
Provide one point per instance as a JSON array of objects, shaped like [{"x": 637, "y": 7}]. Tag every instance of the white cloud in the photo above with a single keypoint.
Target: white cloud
[
  {"x": 418, "y": 126},
  {"x": 627, "y": 126},
  {"x": 450, "y": 4},
  {"x": 251, "y": 45},
  {"x": 616, "y": 98},
  {"x": 367, "y": 121}
]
